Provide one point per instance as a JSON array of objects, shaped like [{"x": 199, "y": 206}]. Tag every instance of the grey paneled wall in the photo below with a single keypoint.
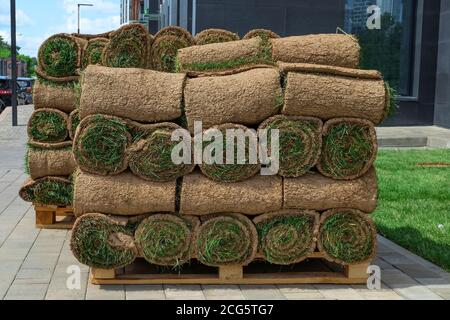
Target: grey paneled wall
[
  {"x": 442, "y": 100},
  {"x": 285, "y": 17}
]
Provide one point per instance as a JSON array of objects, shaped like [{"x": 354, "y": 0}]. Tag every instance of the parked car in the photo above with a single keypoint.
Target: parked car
[
  {"x": 23, "y": 93},
  {"x": 26, "y": 89}
]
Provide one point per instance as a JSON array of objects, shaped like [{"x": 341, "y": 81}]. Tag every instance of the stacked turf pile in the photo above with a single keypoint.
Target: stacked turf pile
[
  {"x": 49, "y": 160},
  {"x": 133, "y": 201}
]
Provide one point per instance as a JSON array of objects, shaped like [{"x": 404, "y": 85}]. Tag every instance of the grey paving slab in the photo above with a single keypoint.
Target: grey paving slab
[
  {"x": 180, "y": 292},
  {"x": 222, "y": 292},
  {"x": 256, "y": 292},
  {"x": 26, "y": 291},
  {"x": 339, "y": 292},
  {"x": 112, "y": 292},
  {"x": 144, "y": 292}
]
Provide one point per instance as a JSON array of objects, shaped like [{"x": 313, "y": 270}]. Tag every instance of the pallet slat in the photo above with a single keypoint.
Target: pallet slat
[
  {"x": 354, "y": 274},
  {"x": 54, "y": 217}
]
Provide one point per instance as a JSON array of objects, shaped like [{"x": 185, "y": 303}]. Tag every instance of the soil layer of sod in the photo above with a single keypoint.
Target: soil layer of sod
[
  {"x": 347, "y": 236},
  {"x": 208, "y": 36},
  {"x": 300, "y": 143},
  {"x": 128, "y": 47},
  {"x": 226, "y": 239},
  {"x": 349, "y": 148},
  {"x": 242, "y": 166},
  {"x": 262, "y": 33},
  {"x": 48, "y": 125},
  {"x": 48, "y": 191},
  {"x": 166, "y": 239},
  {"x": 287, "y": 237},
  {"x": 93, "y": 51},
  {"x": 60, "y": 55},
  {"x": 217, "y": 57},
  {"x": 55, "y": 95},
  {"x": 49, "y": 159},
  {"x": 151, "y": 157},
  {"x": 102, "y": 242},
  {"x": 100, "y": 144},
  {"x": 165, "y": 47}
]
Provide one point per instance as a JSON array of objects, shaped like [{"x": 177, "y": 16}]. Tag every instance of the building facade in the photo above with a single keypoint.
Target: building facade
[
  {"x": 5, "y": 68},
  {"x": 411, "y": 48}
]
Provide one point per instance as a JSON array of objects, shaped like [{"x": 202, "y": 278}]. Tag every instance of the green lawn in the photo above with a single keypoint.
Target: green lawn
[{"x": 414, "y": 202}]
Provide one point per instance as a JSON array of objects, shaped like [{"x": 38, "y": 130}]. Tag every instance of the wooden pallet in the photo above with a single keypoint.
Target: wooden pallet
[
  {"x": 313, "y": 270},
  {"x": 54, "y": 217}
]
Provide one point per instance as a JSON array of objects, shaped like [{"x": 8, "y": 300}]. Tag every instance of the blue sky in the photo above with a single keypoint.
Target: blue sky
[{"x": 39, "y": 19}]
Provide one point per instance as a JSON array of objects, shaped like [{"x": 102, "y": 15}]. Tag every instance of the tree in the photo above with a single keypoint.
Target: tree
[{"x": 5, "y": 52}]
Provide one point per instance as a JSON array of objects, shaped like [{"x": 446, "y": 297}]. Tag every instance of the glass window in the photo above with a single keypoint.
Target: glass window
[{"x": 389, "y": 48}]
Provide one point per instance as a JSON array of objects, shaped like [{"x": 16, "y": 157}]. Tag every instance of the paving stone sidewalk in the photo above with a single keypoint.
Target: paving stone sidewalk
[{"x": 33, "y": 262}]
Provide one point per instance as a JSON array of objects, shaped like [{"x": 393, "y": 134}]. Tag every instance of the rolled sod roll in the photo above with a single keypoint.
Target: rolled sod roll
[
  {"x": 74, "y": 121},
  {"x": 262, "y": 33},
  {"x": 316, "y": 192},
  {"x": 329, "y": 49},
  {"x": 56, "y": 159},
  {"x": 88, "y": 37},
  {"x": 100, "y": 241},
  {"x": 227, "y": 239},
  {"x": 128, "y": 47},
  {"x": 349, "y": 148},
  {"x": 175, "y": 31},
  {"x": 48, "y": 125},
  {"x": 225, "y": 56},
  {"x": 208, "y": 36},
  {"x": 242, "y": 166},
  {"x": 61, "y": 96},
  {"x": 151, "y": 158},
  {"x": 93, "y": 51},
  {"x": 56, "y": 191},
  {"x": 167, "y": 239},
  {"x": 347, "y": 236},
  {"x": 60, "y": 57},
  {"x": 286, "y": 67},
  {"x": 123, "y": 195},
  {"x": 287, "y": 237},
  {"x": 100, "y": 145},
  {"x": 136, "y": 94},
  {"x": 259, "y": 194},
  {"x": 334, "y": 96},
  {"x": 165, "y": 49},
  {"x": 300, "y": 142},
  {"x": 246, "y": 98}
]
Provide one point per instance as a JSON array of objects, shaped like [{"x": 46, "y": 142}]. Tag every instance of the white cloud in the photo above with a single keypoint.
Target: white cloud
[
  {"x": 22, "y": 19},
  {"x": 108, "y": 11},
  {"x": 93, "y": 26},
  {"x": 6, "y": 35},
  {"x": 101, "y": 6}
]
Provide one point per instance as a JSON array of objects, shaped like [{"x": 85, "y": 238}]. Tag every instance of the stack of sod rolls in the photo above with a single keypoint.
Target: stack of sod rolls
[
  {"x": 132, "y": 200},
  {"x": 49, "y": 159}
]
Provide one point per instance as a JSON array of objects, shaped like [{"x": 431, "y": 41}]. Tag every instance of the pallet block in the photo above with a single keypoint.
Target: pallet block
[
  {"x": 314, "y": 270},
  {"x": 54, "y": 217}
]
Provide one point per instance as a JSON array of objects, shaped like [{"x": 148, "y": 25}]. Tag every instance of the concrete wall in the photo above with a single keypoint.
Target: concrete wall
[{"x": 442, "y": 102}]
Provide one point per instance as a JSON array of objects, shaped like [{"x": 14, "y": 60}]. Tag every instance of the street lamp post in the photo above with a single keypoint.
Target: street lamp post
[
  {"x": 13, "y": 63},
  {"x": 80, "y": 5}
]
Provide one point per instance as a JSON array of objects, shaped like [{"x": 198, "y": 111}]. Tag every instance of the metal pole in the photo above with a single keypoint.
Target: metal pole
[
  {"x": 78, "y": 18},
  {"x": 13, "y": 63},
  {"x": 194, "y": 17}
]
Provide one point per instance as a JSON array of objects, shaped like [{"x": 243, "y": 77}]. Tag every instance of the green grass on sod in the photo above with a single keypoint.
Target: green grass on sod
[{"x": 414, "y": 202}]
